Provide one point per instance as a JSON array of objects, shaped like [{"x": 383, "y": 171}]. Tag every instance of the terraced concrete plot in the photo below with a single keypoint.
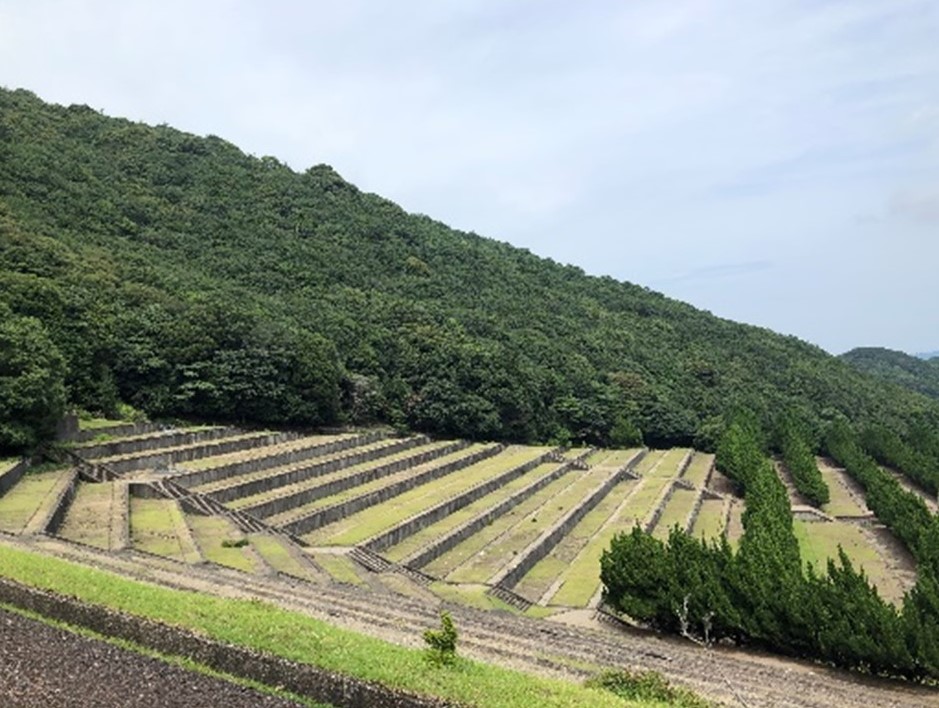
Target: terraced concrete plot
[
  {"x": 709, "y": 523},
  {"x": 577, "y": 583},
  {"x": 335, "y": 478},
  {"x": 278, "y": 555},
  {"x": 89, "y": 517},
  {"x": 358, "y": 527},
  {"x": 495, "y": 555},
  {"x": 699, "y": 469},
  {"x": 423, "y": 537},
  {"x": 157, "y": 526},
  {"x": 31, "y": 498},
  {"x": 819, "y": 541},
  {"x": 677, "y": 510},
  {"x": 213, "y": 536},
  {"x": 259, "y": 453},
  {"x": 668, "y": 464},
  {"x": 843, "y": 501}
]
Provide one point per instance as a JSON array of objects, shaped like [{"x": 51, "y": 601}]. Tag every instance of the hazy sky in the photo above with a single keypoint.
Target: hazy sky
[{"x": 773, "y": 161}]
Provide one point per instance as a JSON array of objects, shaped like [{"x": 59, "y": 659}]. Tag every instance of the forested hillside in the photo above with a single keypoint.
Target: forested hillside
[
  {"x": 913, "y": 373},
  {"x": 179, "y": 275}
]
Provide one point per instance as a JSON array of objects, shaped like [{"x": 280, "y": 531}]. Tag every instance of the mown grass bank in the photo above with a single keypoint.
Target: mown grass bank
[{"x": 264, "y": 627}]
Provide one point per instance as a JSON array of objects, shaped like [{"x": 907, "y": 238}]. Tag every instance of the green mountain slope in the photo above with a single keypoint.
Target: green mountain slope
[
  {"x": 182, "y": 276},
  {"x": 911, "y": 372}
]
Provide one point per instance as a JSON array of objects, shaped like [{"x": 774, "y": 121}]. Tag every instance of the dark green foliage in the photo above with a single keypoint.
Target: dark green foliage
[
  {"x": 645, "y": 686},
  {"x": 761, "y": 595},
  {"x": 441, "y": 643},
  {"x": 32, "y": 375},
  {"x": 186, "y": 278},
  {"x": 798, "y": 457},
  {"x": 234, "y": 543},
  {"x": 907, "y": 371},
  {"x": 918, "y": 459}
]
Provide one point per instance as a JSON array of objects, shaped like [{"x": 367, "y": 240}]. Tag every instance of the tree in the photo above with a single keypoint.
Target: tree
[{"x": 32, "y": 382}]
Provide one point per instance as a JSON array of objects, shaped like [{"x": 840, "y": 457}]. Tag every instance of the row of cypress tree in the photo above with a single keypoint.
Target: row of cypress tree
[{"x": 761, "y": 594}]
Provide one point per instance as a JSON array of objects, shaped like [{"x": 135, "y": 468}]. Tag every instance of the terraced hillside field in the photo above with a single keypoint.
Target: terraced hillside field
[{"x": 515, "y": 528}]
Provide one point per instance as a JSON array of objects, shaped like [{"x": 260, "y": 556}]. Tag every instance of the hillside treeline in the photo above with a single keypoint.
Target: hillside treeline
[
  {"x": 762, "y": 595},
  {"x": 178, "y": 275}
]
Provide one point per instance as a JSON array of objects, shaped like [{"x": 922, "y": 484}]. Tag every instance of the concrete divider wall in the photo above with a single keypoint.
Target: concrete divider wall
[
  {"x": 305, "y": 496},
  {"x": 316, "y": 469},
  {"x": 12, "y": 475},
  {"x": 303, "y": 679},
  {"x": 341, "y": 510},
  {"x": 425, "y": 518},
  {"x": 119, "y": 536},
  {"x": 62, "y": 504},
  {"x": 660, "y": 506},
  {"x": 286, "y": 457},
  {"x": 166, "y": 438},
  {"x": 120, "y": 430},
  {"x": 441, "y": 545},
  {"x": 170, "y": 457},
  {"x": 541, "y": 546}
]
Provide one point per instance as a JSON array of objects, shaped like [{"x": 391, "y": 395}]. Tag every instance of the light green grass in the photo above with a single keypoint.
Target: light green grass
[
  {"x": 20, "y": 503},
  {"x": 698, "y": 470},
  {"x": 448, "y": 523},
  {"x": 447, "y": 562},
  {"x": 734, "y": 530},
  {"x": 819, "y": 541},
  {"x": 170, "y": 450},
  {"x": 482, "y": 566},
  {"x": 89, "y": 517},
  {"x": 842, "y": 503},
  {"x": 8, "y": 463},
  {"x": 581, "y": 578},
  {"x": 99, "y": 423},
  {"x": 650, "y": 460},
  {"x": 374, "y": 520},
  {"x": 539, "y": 579},
  {"x": 339, "y": 567},
  {"x": 471, "y": 596},
  {"x": 676, "y": 511},
  {"x": 276, "y": 554},
  {"x": 263, "y": 627},
  {"x": 155, "y": 526},
  {"x": 210, "y": 532},
  {"x": 668, "y": 467},
  {"x": 257, "y": 453},
  {"x": 709, "y": 523}
]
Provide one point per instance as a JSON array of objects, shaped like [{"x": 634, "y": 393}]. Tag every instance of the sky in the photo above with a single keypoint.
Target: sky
[{"x": 774, "y": 162}]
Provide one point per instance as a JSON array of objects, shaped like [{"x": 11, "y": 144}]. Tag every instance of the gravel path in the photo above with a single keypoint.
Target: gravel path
[{"x": 49, "y": 667}]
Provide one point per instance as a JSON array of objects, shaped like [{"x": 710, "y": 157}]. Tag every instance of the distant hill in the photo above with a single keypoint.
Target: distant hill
[
  {"x": 928, "y": 355},
  {"x": 175, "y": 273},
  {"x": 913, "y": 373}
]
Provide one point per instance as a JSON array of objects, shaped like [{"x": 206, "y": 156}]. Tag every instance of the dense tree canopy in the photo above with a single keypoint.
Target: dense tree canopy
[{"x": 184, "y": 277}]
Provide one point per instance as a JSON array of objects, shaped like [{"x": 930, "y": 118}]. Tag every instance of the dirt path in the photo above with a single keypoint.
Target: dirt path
[
  {"x": 50, "y": 667},
  {"x": 539, "y": 646}
]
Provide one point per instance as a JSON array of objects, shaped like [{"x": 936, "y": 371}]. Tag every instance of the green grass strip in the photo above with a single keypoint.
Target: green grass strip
[{"x": 264, "y": 627}]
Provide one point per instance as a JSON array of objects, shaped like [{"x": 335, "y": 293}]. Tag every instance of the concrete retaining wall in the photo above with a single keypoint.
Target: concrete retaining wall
[
  {"x": 441, "y": 545},
  {"x": 303, "y": 679},
  {"x": 287, "y": 457},
  {"x": 171, "y": 457},
  {"x": 155, "y": 441},
  {"x": 122, "y": 430},
  {"x": 316, "y": 469},
  {"x": 57, "y": 514},
  {"x": 541, "y": 546},
  {"x": 656, "y": 514},
  {"x": 119, "y": 537},
  {"x": 340, "y": 511},
  {"x": 13, "y": 475},
  {"x": 304, "y": 496},
  {"x": 425, "y": 518}
]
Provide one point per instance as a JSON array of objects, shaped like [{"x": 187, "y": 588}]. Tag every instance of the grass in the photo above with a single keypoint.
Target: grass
[
  {"x": 819, "y": 541},
  {"x": 155, "y": 526},
  {"x": 254, "y": 453},
  {"x": 369, "y": 522},
  {"x": 263, "y": 627},
  {"x": 211, "y": 533},
  {"x": 88, "y": 519},
  {"x": 540, "y": 578},
  {"x": 99, "y": 423},
  {"x": 7, "y": 463},
  {"x": 676, "y": 511},
  {"x": 180, "y": 661},
  {"x": 418, "y": 540},
  {"x": 276, "y": 554},
  {"x": 339, "y": 567},
  {"x": 734, "y": 528},
  {"x": 697, "y": 471},
  {"x": 709, "y": 522},
  {"x": 668, "y": 467},
  {"x": 842, "y": 503},
  {"x": 19, "y": 504},
  {"x": 470, "y": 595}
]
